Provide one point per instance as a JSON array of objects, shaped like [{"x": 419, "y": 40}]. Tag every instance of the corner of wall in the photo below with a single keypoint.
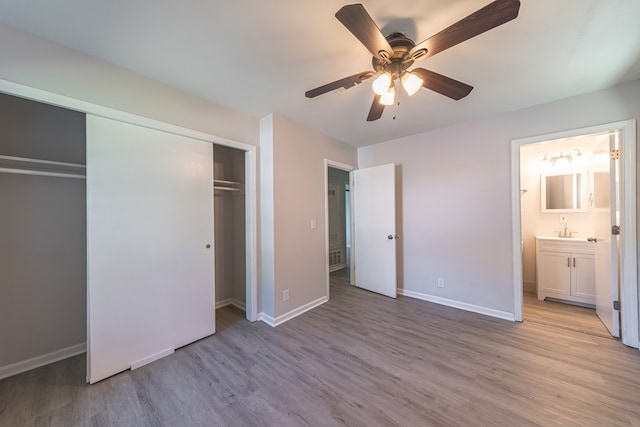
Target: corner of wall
[{"x": 267, "y": 224}]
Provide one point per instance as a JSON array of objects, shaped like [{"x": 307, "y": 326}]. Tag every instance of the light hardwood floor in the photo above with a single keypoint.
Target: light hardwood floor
[
  {"x": 360, "y": 360},
  {"x": 566, "y": 316}
]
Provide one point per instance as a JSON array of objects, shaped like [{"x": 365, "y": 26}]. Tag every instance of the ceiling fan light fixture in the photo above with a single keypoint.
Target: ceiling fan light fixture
[
  {"x": 411, "y": 82},
  {"x": 382, "y": 83},
  {"x": 389, "y": 97}
]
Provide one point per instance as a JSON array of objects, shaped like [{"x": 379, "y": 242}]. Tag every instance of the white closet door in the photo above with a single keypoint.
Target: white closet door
[{"x": 149, "y": 219}]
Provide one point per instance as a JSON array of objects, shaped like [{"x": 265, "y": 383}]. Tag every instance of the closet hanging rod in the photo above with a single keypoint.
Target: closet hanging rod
[
  {"x": 41, "y": 173},
  {"x": 226, "y": 188},
  {"x": 44, "y": 162},
  {"x": 226, "y": 183}
]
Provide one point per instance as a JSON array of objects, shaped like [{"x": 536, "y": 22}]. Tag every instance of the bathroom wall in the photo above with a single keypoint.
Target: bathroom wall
[{"x": 538, "y": 223}]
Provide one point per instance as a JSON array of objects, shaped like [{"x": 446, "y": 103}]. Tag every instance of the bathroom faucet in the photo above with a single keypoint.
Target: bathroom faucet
[{"x": 565, "y": 232}]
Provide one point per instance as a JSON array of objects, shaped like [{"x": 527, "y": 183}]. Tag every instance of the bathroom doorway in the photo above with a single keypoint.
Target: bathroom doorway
[
  {"x": 558, "y": 218},
  {"x": 558, "y": 195}
]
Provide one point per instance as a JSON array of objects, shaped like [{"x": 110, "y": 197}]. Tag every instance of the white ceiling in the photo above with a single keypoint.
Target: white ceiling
[{"x": 260, "y": 56}]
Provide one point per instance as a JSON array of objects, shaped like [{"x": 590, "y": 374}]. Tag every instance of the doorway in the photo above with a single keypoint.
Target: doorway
[
  {"x": 555, "y": 251},
  {"x": 338, "y": 220},
  {"x": 235, "y": 225},
  {"x": 339, "y": 229}
]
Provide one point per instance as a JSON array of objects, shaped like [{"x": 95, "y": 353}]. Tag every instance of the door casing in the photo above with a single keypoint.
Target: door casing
[{"x": 628, "y": 239}]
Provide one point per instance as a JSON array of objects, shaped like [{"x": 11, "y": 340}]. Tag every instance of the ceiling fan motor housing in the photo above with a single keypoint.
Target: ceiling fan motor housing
[{"x": 397, "y": 63}]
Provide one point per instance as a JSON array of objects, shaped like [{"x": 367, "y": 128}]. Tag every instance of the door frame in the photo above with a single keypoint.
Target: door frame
[
  {"x": 628, "y": 238},
  {"x": 251, "y": 151},
  {"x": 347, "y": 168},
  {"x": 250, "y": 224}
]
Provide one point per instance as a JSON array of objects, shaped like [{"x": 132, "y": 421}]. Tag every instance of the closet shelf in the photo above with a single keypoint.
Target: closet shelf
[
  {"x": 29, "y": 166},
  {"x": 220, "y": 184}
]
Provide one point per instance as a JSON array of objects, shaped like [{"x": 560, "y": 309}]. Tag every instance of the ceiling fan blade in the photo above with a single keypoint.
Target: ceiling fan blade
[
  {"x": 490, "y": 16},
  {"x": 376, "y": 109},
  {"x": 347, "y": 82},
  {"x": 442, "y": 84},
  {"x": 359, "y": 22}
]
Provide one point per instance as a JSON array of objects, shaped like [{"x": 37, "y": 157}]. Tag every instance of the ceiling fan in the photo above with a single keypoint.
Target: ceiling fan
[{"x": 395, "y": 53}]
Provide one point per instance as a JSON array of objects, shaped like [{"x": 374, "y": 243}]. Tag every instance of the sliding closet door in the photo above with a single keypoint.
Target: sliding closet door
[{"x": 149, "y": 231}]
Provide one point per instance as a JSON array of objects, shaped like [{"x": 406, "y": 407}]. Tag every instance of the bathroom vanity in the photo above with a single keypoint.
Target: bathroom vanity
[{"x": 566, "y": 269}]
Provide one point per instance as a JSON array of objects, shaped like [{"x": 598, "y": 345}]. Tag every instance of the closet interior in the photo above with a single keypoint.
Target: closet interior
[
  {"x": 43, "y": 231},
  {"x": 43, "y": 271},
  {"x": 229, "y": 226}
]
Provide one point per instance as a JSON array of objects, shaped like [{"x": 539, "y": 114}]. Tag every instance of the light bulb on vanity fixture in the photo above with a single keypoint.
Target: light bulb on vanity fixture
[{"x": 562, "y": 158}]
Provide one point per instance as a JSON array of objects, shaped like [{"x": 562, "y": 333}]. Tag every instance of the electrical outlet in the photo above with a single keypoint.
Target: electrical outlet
[
  {"x": 441, "y": 282},
  {"x": 285, "y": 295}
]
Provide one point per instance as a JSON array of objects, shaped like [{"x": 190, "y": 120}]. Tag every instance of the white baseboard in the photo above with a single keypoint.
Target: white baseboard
[
  {"x": 159, "y": 355},
  {"x": 45, "y": 359},
  {"x": 231, "y": 301},
  {"x": 336, "y": 267},
  {"x": 291, "y": 314},
  {"x": 263, "y": 317},
  {"x": 458, "y": 304}
]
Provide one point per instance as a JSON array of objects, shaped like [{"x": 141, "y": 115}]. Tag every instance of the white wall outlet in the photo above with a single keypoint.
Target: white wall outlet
[
  {"x": 441, "y": 282},
  {"x": 285, "y": 295},
  {"x": 314, "y": 224}
]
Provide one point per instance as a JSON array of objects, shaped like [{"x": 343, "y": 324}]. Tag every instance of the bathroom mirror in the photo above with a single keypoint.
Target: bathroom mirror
[{"x": 564, "y": 192}]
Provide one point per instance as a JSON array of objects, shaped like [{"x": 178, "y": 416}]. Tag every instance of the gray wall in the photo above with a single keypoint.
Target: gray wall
[
  {"x": 456, "y": 194},
  {"x": 43, "y": 228},
  {"x": 229, "y": 226}
]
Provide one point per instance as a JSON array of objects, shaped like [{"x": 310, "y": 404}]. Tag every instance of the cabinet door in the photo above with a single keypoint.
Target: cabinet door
[
  {"x": 583, "y": 282},
  {"x": 554, "y": 274}
]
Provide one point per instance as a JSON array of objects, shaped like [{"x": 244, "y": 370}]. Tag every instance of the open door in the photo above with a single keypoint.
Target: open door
[
  {"x": 374, "y": 233},
  {"x": 606, "y": 202}
]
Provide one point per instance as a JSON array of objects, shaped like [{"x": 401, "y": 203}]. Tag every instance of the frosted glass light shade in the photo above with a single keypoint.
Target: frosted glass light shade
[
  {"x": 411, "y": 83},
  {"x": 389, "y": 97},
  {"x": 381, "y": 83}
]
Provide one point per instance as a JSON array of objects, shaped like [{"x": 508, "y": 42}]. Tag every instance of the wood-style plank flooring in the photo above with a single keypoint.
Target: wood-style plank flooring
[
  {"x": 567, "y": 316},
  {"x": 360, "y": 360}
]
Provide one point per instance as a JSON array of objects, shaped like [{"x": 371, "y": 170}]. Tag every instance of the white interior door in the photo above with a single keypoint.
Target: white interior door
[
  {"x": 149, "y": 221},
  {"x": 374, "y": 233},
  {"x": 605, "y": 189}
]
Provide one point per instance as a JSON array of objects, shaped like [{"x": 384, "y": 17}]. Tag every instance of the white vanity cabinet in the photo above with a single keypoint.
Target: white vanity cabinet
[{"x": 566, "y": 269}]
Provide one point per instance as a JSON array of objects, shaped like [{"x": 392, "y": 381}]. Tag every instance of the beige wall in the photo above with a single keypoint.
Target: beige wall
[
  {"x": 456, "y": 193},
  {"x": 294, "y": 258}
]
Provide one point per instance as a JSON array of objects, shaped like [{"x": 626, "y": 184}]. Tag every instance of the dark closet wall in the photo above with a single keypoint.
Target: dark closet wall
[{"x": 42, "y": 233}]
